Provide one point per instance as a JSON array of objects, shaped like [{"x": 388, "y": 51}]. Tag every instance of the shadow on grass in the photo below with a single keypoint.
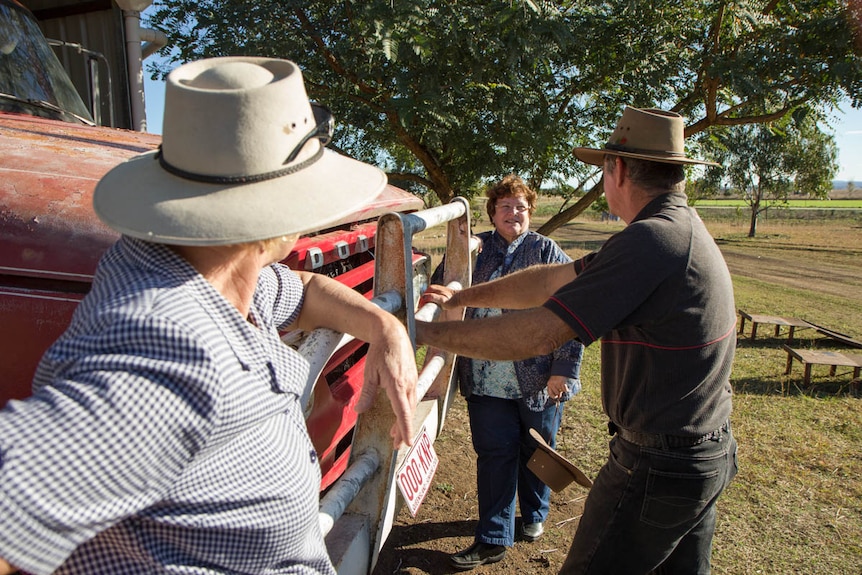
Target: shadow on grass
[
  {"x": 822, "y": 384},
  {"x": 792, "y": 386}
]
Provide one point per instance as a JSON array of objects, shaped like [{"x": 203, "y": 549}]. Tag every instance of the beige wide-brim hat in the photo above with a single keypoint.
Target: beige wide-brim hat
[
  {"x": 221, "y": 176},
  {"x": 647, "y": 134},
  {"x": 553, "y": 469}
]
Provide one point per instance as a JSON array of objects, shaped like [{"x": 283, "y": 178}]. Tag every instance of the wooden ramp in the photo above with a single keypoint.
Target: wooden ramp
[
  {"x": 831, "y": 358},
  {"x": 837, "y": 336},
  {"x": 778, "y": 321}
]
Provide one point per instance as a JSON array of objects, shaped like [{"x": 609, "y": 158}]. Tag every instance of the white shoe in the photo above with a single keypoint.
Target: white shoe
[{"x": 532, "y": 531}]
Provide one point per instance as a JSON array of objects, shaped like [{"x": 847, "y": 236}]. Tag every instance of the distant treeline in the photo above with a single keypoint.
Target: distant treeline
[{"x": 837, "y": 204}]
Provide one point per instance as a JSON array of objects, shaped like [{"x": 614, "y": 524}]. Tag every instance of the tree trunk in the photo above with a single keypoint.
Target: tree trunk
[
  {"x": 572, "y": 212},
  {"x": 752, "y": 226},
  {"x": 444, "y": 192}
]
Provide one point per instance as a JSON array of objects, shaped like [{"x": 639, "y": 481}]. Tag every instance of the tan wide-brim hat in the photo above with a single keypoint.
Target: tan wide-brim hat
[
  {"x": 647, "y": 134},
  {"x": 222, "y": 175},
  {"x": 553, "y": 469}
]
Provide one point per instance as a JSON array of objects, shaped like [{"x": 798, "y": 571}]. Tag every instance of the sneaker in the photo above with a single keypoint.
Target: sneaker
[
  {"x": 532, "y": 531},
  {"x": 477, "y": 554}
]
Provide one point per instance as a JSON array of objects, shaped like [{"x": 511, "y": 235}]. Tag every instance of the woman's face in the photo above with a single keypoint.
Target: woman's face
[{"x": 511, "y": 217}]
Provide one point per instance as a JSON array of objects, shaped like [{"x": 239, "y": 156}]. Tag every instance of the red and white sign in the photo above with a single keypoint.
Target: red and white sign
[{"x": 415, "y": 475}]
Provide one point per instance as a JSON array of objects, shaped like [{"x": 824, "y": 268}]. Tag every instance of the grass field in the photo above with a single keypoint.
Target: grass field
[
  {"x": 855, "y": 204},
  {"x": 796, "y": 505}
]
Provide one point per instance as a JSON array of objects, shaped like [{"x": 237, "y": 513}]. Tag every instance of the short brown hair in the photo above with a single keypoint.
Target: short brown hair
[{"x": 509, "y": 187}]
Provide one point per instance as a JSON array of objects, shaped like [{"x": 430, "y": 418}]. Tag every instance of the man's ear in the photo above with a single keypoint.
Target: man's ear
[{"x": 620, "y": 171}]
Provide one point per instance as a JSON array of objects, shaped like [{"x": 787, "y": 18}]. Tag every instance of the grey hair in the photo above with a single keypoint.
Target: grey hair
[{"x": 654, "y": 177}]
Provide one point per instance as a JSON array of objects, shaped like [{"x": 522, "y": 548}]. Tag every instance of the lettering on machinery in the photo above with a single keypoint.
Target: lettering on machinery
[{"x": 415, "y": 475}]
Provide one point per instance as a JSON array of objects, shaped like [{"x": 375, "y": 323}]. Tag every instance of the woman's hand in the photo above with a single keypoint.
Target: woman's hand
[
  {"x": 557, "y": 386},
  {"x": 391, "y": 365},
  {"x": 5, "y": 568}
]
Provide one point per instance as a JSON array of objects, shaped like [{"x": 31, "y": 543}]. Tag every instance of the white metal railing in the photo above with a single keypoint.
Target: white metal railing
[
  {"x": 435, "y": 359},
  {"x": 367, "y": 488},
  {"x": 340, "y": 495}
]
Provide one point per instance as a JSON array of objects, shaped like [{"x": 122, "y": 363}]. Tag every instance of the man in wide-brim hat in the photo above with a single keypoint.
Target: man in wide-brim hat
[
  {"x": 658, "y": 294},
  {"x": 165, "y": 432}
]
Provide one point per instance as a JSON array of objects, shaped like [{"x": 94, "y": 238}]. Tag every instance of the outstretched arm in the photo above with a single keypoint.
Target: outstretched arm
[
  {"x": 524, "y": 289},
  {"x": 511, "y": 336},
  {"x": 391, "y": 362}
]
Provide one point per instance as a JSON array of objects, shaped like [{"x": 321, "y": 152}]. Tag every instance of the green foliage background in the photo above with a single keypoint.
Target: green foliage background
[{"x": 448, "y": 95}]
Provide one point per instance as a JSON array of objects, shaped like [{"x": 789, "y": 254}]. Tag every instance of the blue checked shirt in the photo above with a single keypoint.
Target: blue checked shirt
[{"x": 164, "y": 434}]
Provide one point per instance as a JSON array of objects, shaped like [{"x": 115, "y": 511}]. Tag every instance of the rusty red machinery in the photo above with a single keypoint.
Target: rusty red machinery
[{"x": 51, "y": 241}]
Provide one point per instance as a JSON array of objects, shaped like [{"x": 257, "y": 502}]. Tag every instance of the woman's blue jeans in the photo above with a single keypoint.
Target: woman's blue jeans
[
  {"x": 500, "y": 431},
  {"x": 652, "y": 510}
]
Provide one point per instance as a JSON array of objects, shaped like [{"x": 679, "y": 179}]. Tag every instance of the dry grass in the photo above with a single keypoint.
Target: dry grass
[{"x": 796, "y": 505}]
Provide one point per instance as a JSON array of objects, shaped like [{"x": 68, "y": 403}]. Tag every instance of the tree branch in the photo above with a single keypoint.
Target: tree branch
[
  {"x": 724, "y": 120},
  {"x": 330, "y": 58},
  {"x": 571, "y": 213},
  {"x": 410, "y": 177}
]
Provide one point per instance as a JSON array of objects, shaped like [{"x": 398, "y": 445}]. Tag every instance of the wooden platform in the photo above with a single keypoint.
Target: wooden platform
[
  {"x": 831, "y": 358},
  {"x": 757, "y": 319},
  {"x": 837, "y": 336}
]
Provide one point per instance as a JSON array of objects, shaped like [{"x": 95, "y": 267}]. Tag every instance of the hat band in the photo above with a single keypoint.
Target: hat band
[
  {"x": 207, "y": 179},
  {"x": 643, "y": 151}
]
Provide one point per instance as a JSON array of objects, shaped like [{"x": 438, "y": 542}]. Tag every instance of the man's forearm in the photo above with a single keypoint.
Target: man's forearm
[
  {"x": 512, "y": 336},
  {"x": 524, "y": 289}
]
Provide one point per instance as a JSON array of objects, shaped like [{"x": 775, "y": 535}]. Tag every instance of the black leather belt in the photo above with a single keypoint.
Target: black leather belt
[{"x": 658, "y": 440}]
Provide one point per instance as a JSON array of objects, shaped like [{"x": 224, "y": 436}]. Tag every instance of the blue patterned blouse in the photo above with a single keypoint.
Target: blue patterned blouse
[{"x": 526, "y": 379}]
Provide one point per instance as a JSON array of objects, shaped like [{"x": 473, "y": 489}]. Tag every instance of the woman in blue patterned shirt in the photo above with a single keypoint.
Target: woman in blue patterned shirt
[{"x": 504, "y": 398}]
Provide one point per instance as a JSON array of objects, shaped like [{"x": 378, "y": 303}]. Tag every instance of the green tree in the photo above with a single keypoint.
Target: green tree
[
  {"x": 443, "y": 94},
  {"x": 727, "y": 64},
  {"x": 766, "y": 163},
  {"x": 446, "y": 95}
]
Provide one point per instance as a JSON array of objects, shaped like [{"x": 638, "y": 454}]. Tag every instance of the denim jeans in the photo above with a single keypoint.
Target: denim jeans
[
  {"x": 500, "y": 431},
  {"x": 652, "y": 510}
]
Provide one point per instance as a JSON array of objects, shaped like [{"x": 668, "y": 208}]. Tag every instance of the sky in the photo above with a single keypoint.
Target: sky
[
  {"x": 848, "y": 137},
  {"x": 847, "y": 127}
]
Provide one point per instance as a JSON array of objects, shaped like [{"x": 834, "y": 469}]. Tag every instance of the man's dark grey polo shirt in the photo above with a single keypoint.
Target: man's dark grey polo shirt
[{"x": 660, "y": 297}]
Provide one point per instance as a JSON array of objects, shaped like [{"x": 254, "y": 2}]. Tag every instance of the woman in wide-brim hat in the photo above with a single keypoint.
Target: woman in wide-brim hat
[{"x": 170, "y": 434}]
